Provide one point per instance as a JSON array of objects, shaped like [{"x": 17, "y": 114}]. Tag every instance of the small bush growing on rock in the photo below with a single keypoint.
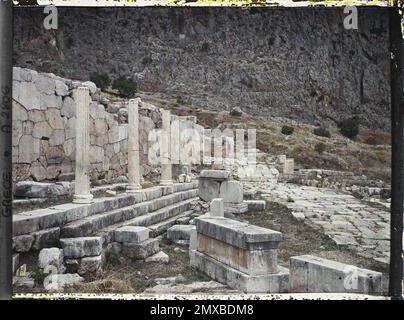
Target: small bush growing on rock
[
  {"x": 287, "y": 130},
  {"x": 126, "y": 87},
  {"x": 101, "y": 80},
  {"x": 322, "y": 132},
  {"x": 349, "y": 127},
  {"x": 290, "y": 199},
  {"x": 112, "y": 256},
  {"x": 320, "y": 147}
]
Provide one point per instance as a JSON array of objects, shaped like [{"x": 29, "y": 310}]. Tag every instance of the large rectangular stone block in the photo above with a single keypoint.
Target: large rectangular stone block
[
  {"x": 269, "y": 283},
  {"x": 81, "y": 247},
  {"x": 317, "y": 275},
  {"x": 140, "y": 251},
  {"x": 131, "y": 234},
  {"x": 254, "y": 262},
  {"x": 238, "y": 234}
]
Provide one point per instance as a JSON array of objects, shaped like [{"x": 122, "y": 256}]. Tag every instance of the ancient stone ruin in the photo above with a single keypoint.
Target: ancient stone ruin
[{"x": 86, "y": 188}]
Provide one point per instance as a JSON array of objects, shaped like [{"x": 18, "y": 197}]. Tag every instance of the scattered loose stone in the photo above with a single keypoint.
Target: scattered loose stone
[
  {"x": 51, "y": 260},
  {"x": 25, "y": 282},
  {"x": 159, "y": 257},
  {"x": 81, "y": 247},
  {"x": 60, "y": 282}
]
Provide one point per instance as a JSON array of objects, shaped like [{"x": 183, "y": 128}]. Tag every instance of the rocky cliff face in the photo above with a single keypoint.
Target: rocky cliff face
[{"x": 295, "y": 63}]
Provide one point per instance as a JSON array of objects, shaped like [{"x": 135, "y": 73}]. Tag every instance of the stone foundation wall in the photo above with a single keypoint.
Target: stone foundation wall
[{"x": 44, "y": 130}]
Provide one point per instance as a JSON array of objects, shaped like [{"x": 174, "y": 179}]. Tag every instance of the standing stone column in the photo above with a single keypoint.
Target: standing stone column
[
  {"x": 133, "y": 146},
  {"x": 166, "y": 174},
  {"x": 82, "y": 182}
]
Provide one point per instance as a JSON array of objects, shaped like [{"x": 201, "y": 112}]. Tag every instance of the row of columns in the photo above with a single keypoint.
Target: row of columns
[{"x": 82, "y": 192}]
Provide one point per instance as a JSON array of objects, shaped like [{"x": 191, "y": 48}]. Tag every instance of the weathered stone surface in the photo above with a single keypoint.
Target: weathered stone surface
[
  {"x": 269, "y": 283},
  {"x": 24, "y": 282},
  {"x": 217, "y": 207},
  {"x": 214, "y": 174},
  {"x": 31, "y": 189},
  {"x": 159, "y": 257},
  {"x": 251, "y": 262},
  {"x": 51, "y": 260},
  {"x": 235, "y": 208},
  {"x": 90, "y": 266},
  {"x": 208, "y": 189},
  {"x": 46, "y": 238},
  {"x": 231, "y": 192},
  {"x": 28, "y": 149},
  {"x": 180, "y": 232},
  {"x": 289, "y": 166},
  {"x": 316, "y": 275},
  {"x": 237, "y": 233},
  {"x": 140, "y": 251},
  {"x": 131, "y": 234},
  {"x": 23, "y": 243},
  {"x": 60, "y": 282},
  {"x": 81, "y": 247},
  {"x": 255, "y": 205}
]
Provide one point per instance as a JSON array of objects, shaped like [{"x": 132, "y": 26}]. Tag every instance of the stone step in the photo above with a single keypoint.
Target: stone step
[
  {"x": 59, "y": 215},
  {"x": 94, "y": 223},
  {"x": 163, "y": 215},
  {"x": 161, "y": 227}
]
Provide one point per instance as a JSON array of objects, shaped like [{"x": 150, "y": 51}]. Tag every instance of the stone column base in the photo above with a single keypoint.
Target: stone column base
[
  {"x": 133, "y": 189},
  {"x": 83, "y": 198}
]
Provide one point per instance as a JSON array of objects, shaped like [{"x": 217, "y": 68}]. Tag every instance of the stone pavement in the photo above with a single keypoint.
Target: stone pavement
[{"x": 349, "y": 222}]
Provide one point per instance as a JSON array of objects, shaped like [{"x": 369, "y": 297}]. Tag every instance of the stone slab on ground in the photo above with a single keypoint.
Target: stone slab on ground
[
  {"x": 235, "y": 208},
  {"x": 81, "y": 247},
  {"x": 317, "y": 275},
  {"x": 131, "y": 234},
  {"x": 159, "y": 257},
  {"x": 270, "y": 283},
  {"x": 140, "y": 251},
  {"x": 255, "y": 205},
  {"x": 60, "y": 282},
  {"x": 180, "y": 232}
]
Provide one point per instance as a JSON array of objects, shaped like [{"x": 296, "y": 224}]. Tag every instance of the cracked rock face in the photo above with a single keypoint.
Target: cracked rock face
[{"x": 298, "y": 63}]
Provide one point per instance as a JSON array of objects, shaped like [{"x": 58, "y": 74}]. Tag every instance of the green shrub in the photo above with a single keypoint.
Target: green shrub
[
  {"x": 112, "y": 256},
  {"x": 322, "y": 132},
  {"x": 101, "y": 80},
  {"x": 287, "y": 130},
  {"x": 349, "y": 127},
  {"x": 320, "y": 147},
  {"x": 290, "y": 199},
  {"x": 126, "y": 87}
]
